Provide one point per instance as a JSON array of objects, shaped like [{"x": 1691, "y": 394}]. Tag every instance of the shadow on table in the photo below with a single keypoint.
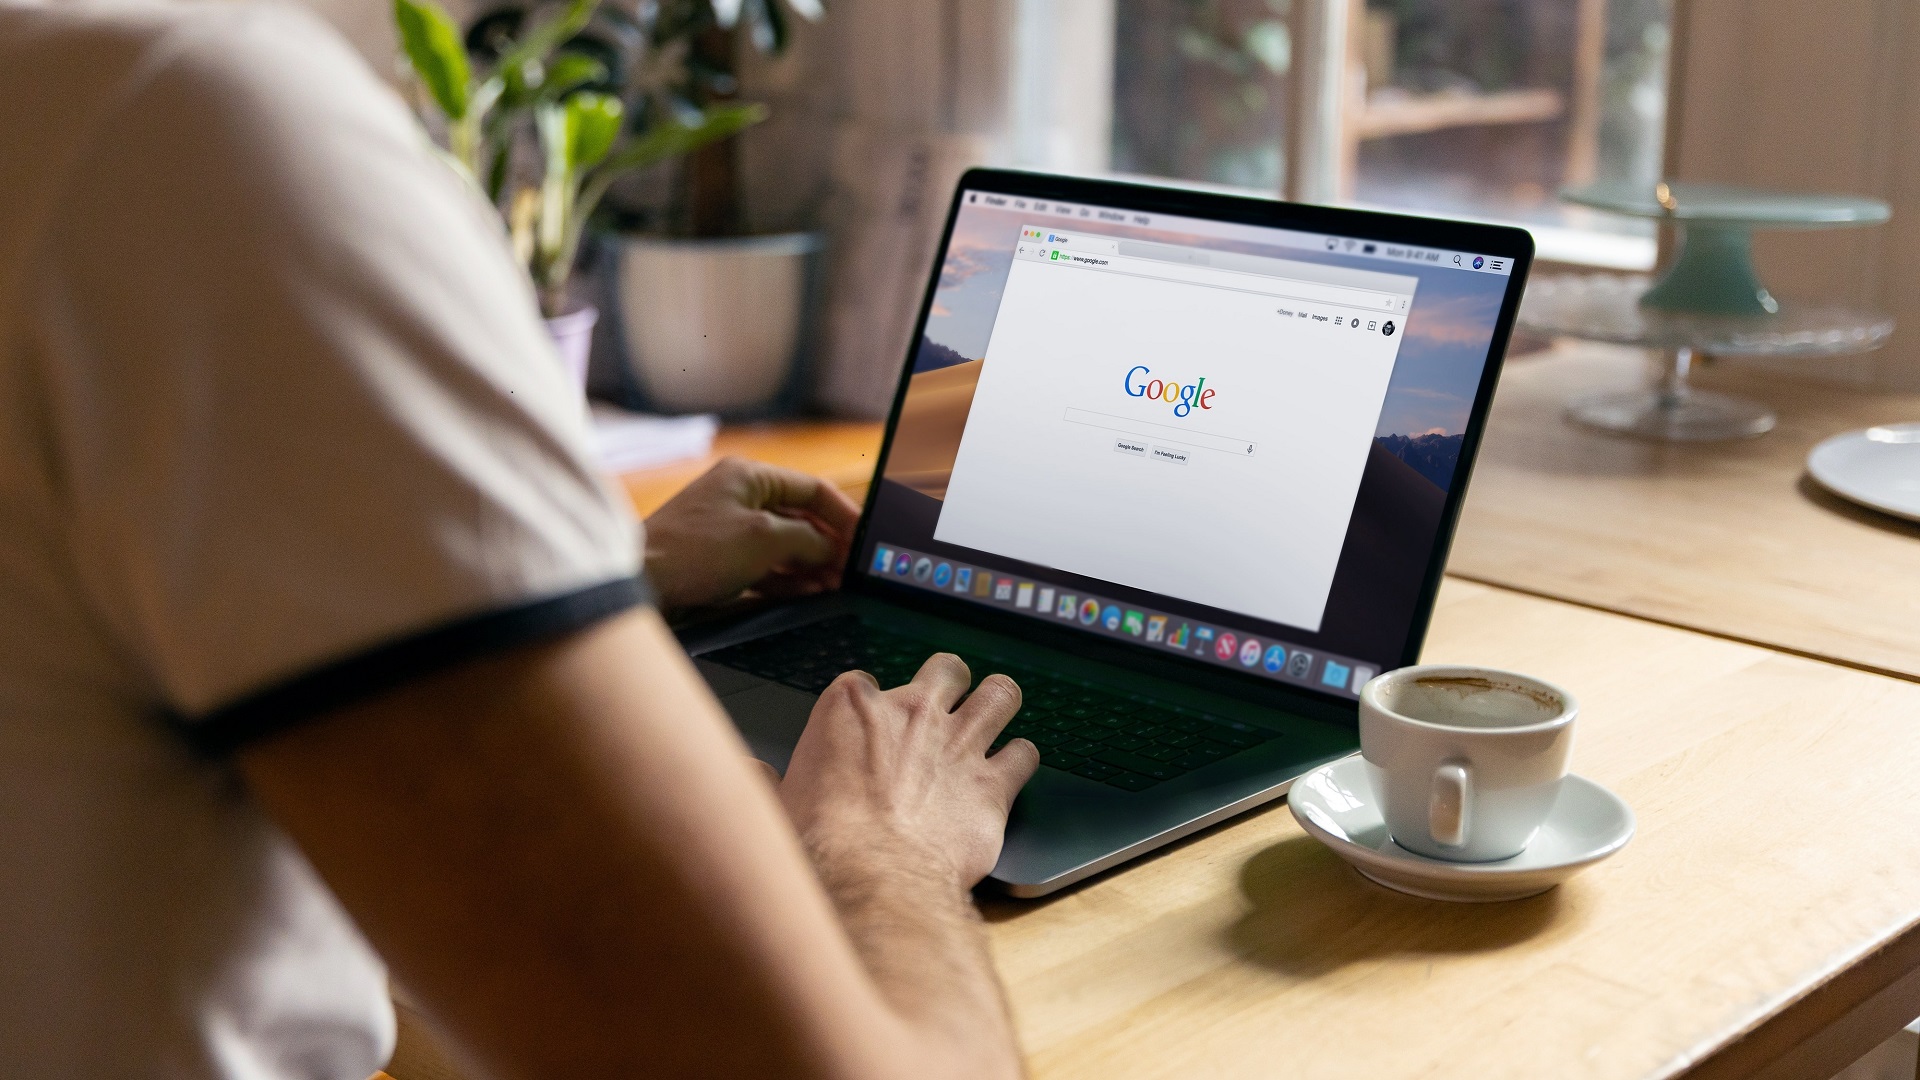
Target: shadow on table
[
  {"x": 1313, "y": 914},
  {"x": 996, "y": 907},
  {"x": 1811, "y": 490}
]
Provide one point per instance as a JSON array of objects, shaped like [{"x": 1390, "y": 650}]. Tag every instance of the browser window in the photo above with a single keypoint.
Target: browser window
[{"x": 1132, "y": 405}]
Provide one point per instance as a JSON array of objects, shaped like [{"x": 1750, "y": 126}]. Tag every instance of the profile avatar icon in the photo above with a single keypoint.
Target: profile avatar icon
[{"x": 1388, "y": 328}]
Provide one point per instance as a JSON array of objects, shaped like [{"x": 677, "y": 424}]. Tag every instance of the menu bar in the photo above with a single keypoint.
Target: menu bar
[
  {"x": 1125, "y": 621},
  {"x": 1059, "y": 213}
]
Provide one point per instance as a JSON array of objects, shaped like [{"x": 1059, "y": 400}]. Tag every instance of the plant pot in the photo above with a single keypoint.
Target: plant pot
[
  {"x": 572, "y": 335},
  {"x": 715, "y": 325}
]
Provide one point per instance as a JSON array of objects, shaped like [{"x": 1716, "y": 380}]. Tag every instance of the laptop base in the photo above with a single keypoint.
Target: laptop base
[{"x": 1064, "y": 827}]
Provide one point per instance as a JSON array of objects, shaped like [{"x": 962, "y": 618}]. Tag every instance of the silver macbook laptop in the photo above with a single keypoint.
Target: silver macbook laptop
[{"x": 1184, "y": 465}]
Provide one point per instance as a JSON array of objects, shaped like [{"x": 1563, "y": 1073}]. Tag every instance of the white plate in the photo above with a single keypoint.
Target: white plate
[
  {"x": 1335, "y": 804},
  {"x": 1878, "y": 467}
]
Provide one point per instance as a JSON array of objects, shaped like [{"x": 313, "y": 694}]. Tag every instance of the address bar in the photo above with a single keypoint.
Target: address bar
[{"x": 1280, "y": 288}]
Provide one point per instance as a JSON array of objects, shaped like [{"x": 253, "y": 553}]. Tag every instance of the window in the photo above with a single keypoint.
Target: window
[
  {"x": 1200, "y": 90},
  {"x": 1479, "y": 108}
]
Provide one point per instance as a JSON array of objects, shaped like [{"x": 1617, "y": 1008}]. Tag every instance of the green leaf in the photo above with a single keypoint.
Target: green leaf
[
  {"x": 536, "y": 44},
  {"x": 673, "y": 138},
  {"x": 570, "y": 72},
  {"x": 432, "y": 44},
  {"x": 593, "y": 122},
  {"x": 662, "y": 141},
  {"x": 497, "y": 176},
  {"x": 515, "y": 93}
]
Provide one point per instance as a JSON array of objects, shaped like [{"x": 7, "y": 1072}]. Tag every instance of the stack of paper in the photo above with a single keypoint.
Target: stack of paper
[{"x": 625, "y": 441}]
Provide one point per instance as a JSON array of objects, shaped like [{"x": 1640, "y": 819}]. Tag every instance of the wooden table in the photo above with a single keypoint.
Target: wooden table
[
  {"x": 1752, "y": 928},
  {"x": 1729, "y": 538},
  {"x": 1764, "y": 923}
]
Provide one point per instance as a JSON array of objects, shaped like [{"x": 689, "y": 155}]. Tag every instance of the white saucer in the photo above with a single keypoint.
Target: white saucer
[
  {"x": 1334, "y": 803},
  {"x": 1878, "y": 467}
]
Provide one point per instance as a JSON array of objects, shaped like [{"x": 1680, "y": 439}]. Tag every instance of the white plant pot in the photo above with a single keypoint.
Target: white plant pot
[
  {"x": 714, "y": 325},
  {"x": 572, "y": 335}
]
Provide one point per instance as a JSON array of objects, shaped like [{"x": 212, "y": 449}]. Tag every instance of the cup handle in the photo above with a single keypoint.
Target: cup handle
[{"x": 1447, "y": 805}]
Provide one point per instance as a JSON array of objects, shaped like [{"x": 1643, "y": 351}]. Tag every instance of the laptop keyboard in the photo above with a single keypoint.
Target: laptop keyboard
[{"x": 1127, "y": 742}]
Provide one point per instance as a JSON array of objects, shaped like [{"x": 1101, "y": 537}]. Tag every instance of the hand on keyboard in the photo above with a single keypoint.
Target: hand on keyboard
[
  {"x": 1119, "y": 740},
  {"x": 908, "y": 769},
  {"x": 747, "y": 525}
]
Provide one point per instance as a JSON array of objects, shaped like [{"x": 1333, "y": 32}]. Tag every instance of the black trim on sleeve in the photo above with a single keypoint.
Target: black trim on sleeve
[{"x": 385, "y": 667}]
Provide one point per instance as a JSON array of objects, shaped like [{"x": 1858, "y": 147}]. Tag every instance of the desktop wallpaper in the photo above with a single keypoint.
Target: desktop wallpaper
[{"x": 1412, "y": 465}]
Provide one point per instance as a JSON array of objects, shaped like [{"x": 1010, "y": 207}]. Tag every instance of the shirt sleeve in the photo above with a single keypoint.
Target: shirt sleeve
[{"x": 310, "y": 437}]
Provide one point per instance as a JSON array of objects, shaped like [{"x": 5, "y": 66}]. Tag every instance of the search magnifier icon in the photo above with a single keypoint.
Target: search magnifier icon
[{"x": 1456, "y": 260}]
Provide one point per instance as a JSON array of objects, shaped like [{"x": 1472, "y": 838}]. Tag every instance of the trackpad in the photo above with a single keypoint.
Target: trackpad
[{"x": 771, "y": 718}]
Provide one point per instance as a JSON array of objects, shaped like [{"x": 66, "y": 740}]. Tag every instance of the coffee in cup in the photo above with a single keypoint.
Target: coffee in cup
[{"x": 1466, "y": 761}]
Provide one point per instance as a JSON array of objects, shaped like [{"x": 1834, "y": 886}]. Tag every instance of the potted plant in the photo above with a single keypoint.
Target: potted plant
[
  {"x": 712, "y": 320},
  {"x": 583, "y": 138}
]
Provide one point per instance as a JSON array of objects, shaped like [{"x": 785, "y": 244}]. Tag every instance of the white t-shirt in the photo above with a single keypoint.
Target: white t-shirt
[{"x": 279, "y": 428}]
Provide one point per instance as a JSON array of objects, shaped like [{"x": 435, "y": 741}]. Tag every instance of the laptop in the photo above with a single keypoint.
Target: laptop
[{"x": 1185, "y": 465}]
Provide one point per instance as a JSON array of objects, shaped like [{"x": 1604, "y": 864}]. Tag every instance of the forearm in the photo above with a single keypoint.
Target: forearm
[
  {"x": 921, "y": 939},
  {"x": 563, "y": 854}
]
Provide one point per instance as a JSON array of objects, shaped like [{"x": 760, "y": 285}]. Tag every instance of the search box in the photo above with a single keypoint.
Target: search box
[{"x": 1164, "y": 433}]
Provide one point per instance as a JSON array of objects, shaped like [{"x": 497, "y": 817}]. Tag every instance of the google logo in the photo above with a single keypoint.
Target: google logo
[{"x": 1183, "y": 398}]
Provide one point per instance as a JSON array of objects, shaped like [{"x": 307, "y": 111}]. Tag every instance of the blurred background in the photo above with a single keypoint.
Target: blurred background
[{"x": 1476, "y": 108}]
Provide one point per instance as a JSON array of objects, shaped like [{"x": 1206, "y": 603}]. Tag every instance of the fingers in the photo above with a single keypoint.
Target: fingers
[
  {"x": 791, "y": 542},
  {"x": 991, "y": 706},
  {"x": 1011, "y": 768},
  {"x": 835, "y": 510},
  {"x": 786, "y": 491},
  {"x": 944, "y": 678},
  {"x": 775, "y": 488}
]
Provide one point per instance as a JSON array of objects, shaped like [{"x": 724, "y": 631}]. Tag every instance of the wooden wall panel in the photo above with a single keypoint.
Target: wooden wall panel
[{"x": 1813, "y": 95}]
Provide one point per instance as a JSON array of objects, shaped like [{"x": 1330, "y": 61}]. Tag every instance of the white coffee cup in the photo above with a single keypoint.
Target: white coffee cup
[{"x": 1466, "y": 761}]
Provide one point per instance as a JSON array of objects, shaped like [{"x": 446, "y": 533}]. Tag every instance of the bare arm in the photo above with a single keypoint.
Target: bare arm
[{"x": 565, "y": 854}]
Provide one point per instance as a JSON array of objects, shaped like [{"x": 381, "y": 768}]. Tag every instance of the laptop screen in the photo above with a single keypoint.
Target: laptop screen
[{"x": 1229, "y": 441}]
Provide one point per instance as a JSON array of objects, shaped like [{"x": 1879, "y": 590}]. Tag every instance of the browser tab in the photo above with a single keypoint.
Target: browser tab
[{"x": 1072, "y": 242}]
